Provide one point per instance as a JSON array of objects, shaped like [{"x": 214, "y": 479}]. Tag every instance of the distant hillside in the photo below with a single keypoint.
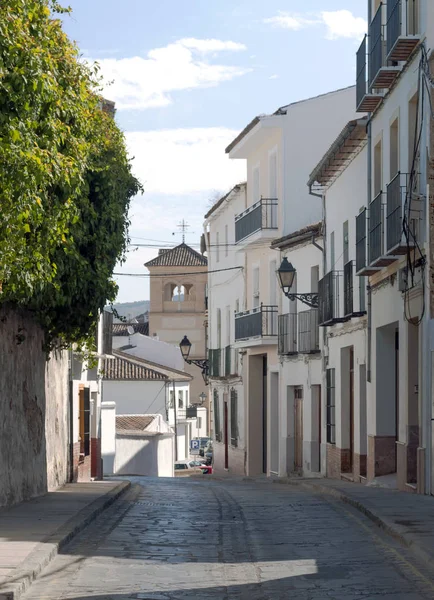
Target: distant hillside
[{"x": 130, "y": 310}]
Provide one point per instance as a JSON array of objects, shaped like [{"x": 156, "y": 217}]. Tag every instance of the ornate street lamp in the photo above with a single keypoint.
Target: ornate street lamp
[
  {"x": 202, "y": 397},
  {"x": 286, "y": 273},
  {"x": 185, "y": 346}
]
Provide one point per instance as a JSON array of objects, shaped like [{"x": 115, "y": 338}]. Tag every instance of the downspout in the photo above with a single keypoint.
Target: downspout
[{"x": 369, "y": 198}]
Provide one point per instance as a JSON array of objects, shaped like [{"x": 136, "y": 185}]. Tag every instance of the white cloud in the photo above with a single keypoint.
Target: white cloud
[
  {"x": 139, "y": 83},
  {"x": 338, "y": 23},
  {"x": 343, "y": 24},
  {"x": 274, "y": 76},
  {"x": 211, "y": 45},
  {"x": 184, "y": 161},
  {"x": 290, "y": 21}
]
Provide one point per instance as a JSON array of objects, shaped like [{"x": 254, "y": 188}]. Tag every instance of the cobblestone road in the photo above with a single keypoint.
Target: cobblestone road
[{"x": 187, "y": 538}]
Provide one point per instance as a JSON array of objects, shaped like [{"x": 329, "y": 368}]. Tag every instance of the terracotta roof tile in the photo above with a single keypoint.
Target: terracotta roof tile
[
  {"x": 180, "y": 256},
  {"x": 133, "y": 422},
  {"x": 125, "y": 370}
]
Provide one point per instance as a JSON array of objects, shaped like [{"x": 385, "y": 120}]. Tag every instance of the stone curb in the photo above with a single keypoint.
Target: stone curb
[
  {"x": 385, "y": 524},
  {"x": 16, "y": 584}
]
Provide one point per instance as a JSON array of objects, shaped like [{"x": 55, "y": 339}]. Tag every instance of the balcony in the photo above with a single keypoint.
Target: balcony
[
  {"x": 308, "y": 331},
  {"x": 397, "y": 191},
  {"x": 223, "y": 362},
  {"x": 366, "y": 102},
  {"x": 377, "y": 255},
  {"x": 299, "y": 333},
  {"x": 362, "y": 268},
  {"x": 381, "y": 75},
  {"x": 256, "y": 326},
  {"x": 260, "y": 218},
  {"x": 402, "y": 29},
  {"x": 330, "y": 296},
  {"x": 287, "y": 339},
  {"x": 350, "y": 305}
]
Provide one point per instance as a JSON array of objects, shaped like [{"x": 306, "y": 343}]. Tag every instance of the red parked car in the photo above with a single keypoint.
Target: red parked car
[{"x": 206, "y": 469}]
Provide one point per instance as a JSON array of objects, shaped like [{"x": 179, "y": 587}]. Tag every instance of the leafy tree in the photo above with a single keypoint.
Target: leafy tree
[{"x": 65, "y": 177}]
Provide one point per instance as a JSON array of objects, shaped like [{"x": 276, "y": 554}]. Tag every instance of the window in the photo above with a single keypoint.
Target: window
[
  {"x": 234, "y": 417},
  {"x": 332, "y": 251},
  {"x": 273, "y": 283},
  {"x": 219, "y": 328},
  {"x": 394, "y": 149},
  {"x": 255, "y": 286},
  {"x": 331, "y": 416},
  {"x": 180, "y": 399},
  {"x": 378, "y": 175},
  {"x": 171, "y": 399},
  {"x": 362, "y": 297},
  {"x": 217, "y": 430},
  {"x": 237, "y": 306},
  {"x": 228, "y": 326},
  {"x": 217, "y": 247},
  {"x": 186, "y": 397},
  {"x": 345, "y": 240},
  {"x": 256, "y": 186},
  {"x": 226, "y": 241},
  {"x": 84, "y": 420},
  {"x": 272, "y": 166}
]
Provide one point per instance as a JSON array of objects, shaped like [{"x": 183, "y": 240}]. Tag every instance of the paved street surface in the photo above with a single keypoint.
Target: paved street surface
[{"x": 198, "y": 538}]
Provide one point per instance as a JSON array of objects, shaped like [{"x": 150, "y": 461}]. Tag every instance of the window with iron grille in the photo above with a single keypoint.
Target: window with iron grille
[
  {"x": 217, "y": 428},
  {"x": 234, "y": 417},
  {"x": 331, "y": 411}
]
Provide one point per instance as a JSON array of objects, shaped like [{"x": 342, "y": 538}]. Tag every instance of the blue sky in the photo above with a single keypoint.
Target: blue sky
[{"x": 189, "y": 75}]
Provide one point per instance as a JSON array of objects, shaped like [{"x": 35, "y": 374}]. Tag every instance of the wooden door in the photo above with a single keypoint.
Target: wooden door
[{"x": 298, "y": 429}]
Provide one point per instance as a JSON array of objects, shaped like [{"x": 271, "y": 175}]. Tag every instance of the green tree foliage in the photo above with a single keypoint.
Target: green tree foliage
[{"x": 65, "y": 177}]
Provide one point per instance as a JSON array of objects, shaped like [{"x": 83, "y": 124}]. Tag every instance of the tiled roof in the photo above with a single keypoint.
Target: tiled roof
[
  {"x": 298, "y": 237},
  {"x": 180, "y": 256},
  {"x": 168, "y": 373},
  {"x": 122, "y": 369},
  {"x": 133, "y": 422},
  {"x": 122, "y": 328}
]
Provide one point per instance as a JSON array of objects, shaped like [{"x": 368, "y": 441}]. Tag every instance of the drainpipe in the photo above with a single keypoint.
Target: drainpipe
[
  {"x": 369, "y": 198},
  {"x": 368, "y": 353}
]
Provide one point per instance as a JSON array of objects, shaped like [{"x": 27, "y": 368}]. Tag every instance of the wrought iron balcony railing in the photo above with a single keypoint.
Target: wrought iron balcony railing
[
  {"x": 376, "y": 226},
  {"x": 259, "y": 216},
  {"x": 381, "y": 74},
  {"x": 260, "y": 322},
  {"x": 308, "y": 331},
  {"x": 299, "y": 333},
  {"x": 348, "y": 289},
  {"x": 402, "y": 29},
  {"x": 287, "y": 340},
  {"x": 330, "y": 299},
  {"x": 365, "y": 101}
]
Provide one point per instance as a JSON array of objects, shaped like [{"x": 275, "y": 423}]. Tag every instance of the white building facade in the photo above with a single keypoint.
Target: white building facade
[
  {"x": 295, "y": 422},
  {"x": 394, "y": 83},
  {"x": 226, "y": 291},
  {"x": 278, "y": 150}
]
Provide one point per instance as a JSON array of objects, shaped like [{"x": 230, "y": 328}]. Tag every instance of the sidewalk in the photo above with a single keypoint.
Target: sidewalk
[
  {"x": 407, "y": 517},
  {"x": 32, "y": 533}
]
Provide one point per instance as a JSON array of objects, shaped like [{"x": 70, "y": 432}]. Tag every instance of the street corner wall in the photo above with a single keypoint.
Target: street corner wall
[{"x": 33, "y": 404}]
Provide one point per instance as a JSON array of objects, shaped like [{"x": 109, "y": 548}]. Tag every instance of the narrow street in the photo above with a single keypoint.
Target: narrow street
[{"x": 189, "y": 538}]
